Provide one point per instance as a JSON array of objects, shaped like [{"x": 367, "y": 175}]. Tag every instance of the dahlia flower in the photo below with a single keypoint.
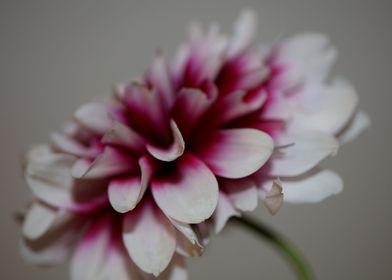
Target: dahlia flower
[{"x": 135, "y": 183}]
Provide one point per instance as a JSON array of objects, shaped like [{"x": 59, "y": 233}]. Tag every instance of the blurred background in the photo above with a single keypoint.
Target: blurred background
[{"x": 57, "y": 55}]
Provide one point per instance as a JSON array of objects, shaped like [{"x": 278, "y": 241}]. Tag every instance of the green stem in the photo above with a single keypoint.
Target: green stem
[{"x": 296, "y": 260}]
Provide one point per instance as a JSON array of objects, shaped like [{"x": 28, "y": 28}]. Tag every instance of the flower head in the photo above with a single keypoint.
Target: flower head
[{"x": 133, "y": 184}]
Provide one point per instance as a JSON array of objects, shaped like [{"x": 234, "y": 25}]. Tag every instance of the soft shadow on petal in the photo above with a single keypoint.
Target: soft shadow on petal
[
  {"x": 174, "y": 151},
  {"x": 357, "y": 125},
  {"x": 124, "y": 136},
  {"x": 190, "y": 194},
  {"x": 124, "y": 193},
  {"x": 92, "y": 250},
  {"x": 245, "y": 29},
  {"x": 242, "y": 193},
  {"x": 38, "y": 220},
  {"x": 307, "y": 150},
  {"x": 311, "y": 187},
  {"x": 223, "y": 212},
  {"x": 236, "y": 153},
  {"x": 111, "y": 162},
  {"x": 329, "y": 110},
  {"x": 95, "y": 116},
  {"x": 149, "y": 237}
]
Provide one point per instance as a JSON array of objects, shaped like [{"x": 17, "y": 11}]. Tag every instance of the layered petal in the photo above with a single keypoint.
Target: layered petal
[
  {"x": 188, "y": 195},
  {"x": 91, "y": 253},
  {"x": 124, "y": 193},
  {"x": 172, "y": 152},
  {"x": 123, "y": 136},
  {"x": 357, "y": 125},
  {"x": 236, "y": 153},
  {"x": 329, "y": 110},
  {"x": 95, "y": 116},
  {"x": 242, "y": 193},
  {"x": 111, "y": 162},
  {"x": 149, "y": 238},
  {"x": 224, "y": 211},
  {"x": 245, "y": 29},
  {"x": 307, "y": 150},
  {"x": 38, "y": 220},
  {"x": 311, "y": 187},
  {"x": 49, "y": 177},
  {"x": 159, "y": 79}
]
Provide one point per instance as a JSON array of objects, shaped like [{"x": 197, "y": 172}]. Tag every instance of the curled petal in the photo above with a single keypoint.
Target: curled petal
[
  {"x": 236, "y": 153},
  {"x": 149, "y": 238},
  {"x": 175, "y": 150},
  {"x": 191, "y": 194}
]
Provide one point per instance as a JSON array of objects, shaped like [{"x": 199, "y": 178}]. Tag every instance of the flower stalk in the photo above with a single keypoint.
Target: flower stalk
[{"x": 285, "y": 248}]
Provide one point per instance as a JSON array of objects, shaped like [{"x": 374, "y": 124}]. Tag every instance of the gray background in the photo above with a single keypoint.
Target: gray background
[{"x": 56, "y": 55}]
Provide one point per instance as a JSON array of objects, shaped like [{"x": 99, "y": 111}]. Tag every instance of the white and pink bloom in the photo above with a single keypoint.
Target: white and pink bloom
[{"x": 135, "y": 183}]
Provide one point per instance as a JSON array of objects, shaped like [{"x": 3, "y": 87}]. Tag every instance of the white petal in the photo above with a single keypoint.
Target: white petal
[
  {"x": 66, "y": 144},
  {"x": 309, "y": 56},
  {"x": 49, "y": 177},
  {"x": 91, "y": 252},
  {"x": 95, "y": 116},
  {"x": 223, "y": 212},
  {"x": 311, "y": 187},
  {"x": 158, "y": 76},
  {"x": 308, "y": 149},
  {"x": 175, "y": 150},
  {"x": 111, "y": 162},
  {"x": 149, "y": 238},
  {"x": 176, "y": 270},
  {"x": 190, "y": 195},
  {"x": 51, "y": 249},
  {"x": 124, "y": 193},
  {"x": 245, "y": 30},
  {"x": 329, "y": 110},
  {"x": 358, "y": 124},
  {"x": 242, "y": 192},
  {"x": 186, "y": 230},
  {"x": 38, "y": 220},
  {"x": 186, "y": 248},
  {"x": 237, "y": 153},
  {"x": 122, "y": 135},
  {"x": 118, "y": 266}
]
